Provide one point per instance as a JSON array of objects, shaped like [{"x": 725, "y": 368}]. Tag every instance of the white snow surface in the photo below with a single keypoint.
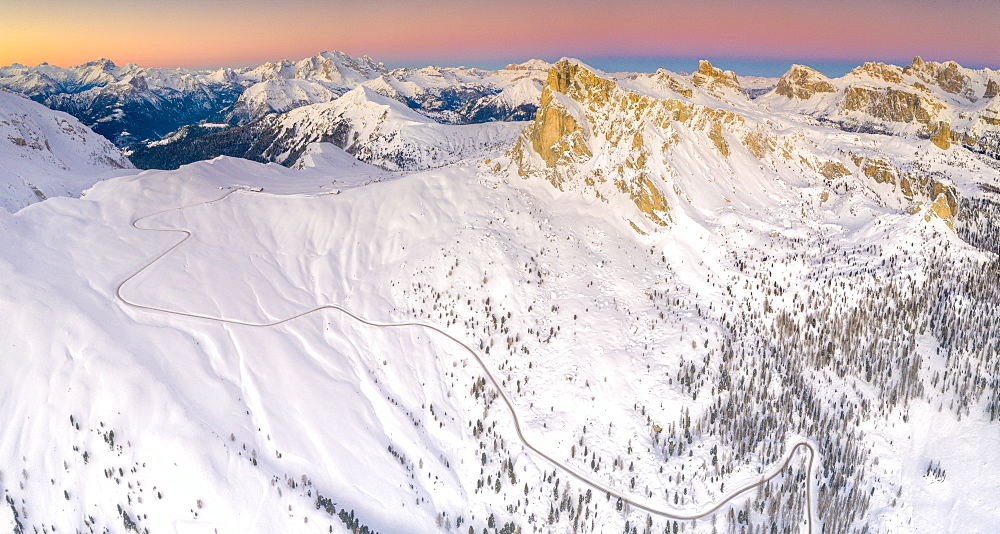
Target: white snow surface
[
  {"x": 47, "y": 153},
  {"x": 285, "y": 85}
]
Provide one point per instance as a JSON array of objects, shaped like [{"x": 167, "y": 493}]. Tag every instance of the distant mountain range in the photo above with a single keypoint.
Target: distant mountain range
[
  {"x": 164, "y": 118},
  {"x": 135, "y": 106}
]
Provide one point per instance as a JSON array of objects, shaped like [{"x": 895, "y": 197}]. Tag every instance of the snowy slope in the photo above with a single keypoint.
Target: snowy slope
[
  {"x": 277, "y": 96},
  {"x": 386, "y": 422},
  {"x": 755, "y": 189},
  {"x": 47, "y": 153}
]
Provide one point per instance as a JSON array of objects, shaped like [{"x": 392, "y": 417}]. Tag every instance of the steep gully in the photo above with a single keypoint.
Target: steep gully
[{"x": 642, "y": 505}]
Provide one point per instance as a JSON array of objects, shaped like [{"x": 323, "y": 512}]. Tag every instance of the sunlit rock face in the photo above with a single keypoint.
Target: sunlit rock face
[
  {"x": 945, "y": 103},
  {"x": 628, "y": 141},
  {"x": 803, "y": 82},
  {"x": 594, "y": 135}
]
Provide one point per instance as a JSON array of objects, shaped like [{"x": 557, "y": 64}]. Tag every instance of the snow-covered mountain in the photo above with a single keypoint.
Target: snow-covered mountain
[
  {"x": 134, "y": 104},
  {"x": 374, "y": 128},
  {"x": 382, "y": 132},
  {"x": 463, "y": 95},
  {"x": 624, "y": 143},
  {"x": 455, "y": 95},
  {"x": 46, "y": 80},
  {"x": 285, "y": 85},
  {"x": 665, "y": 306},
  {"x": 366, "y": 119},
  {"x": 138, "y": 108},
  {"x": 277, "y": 96},
  {"x": 943, "y": 102},
  {"x": 45, "y": 153},
  {"x": 129, "y": 103}
]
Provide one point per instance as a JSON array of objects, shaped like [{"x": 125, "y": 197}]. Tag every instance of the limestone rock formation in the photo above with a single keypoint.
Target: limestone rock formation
[
  {"x": 803, "y": 82},
  {"x": 939, "y": 102},
  {"x": 594, "y": 135},
  {"x": 650, "y": 147}
]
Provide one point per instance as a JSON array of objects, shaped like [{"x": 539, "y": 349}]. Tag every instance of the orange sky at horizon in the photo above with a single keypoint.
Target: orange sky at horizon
[{"x": 231, "y": 33}]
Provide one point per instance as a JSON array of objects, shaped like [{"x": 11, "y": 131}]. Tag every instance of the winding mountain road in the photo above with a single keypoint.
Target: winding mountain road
[{"x": 631, "y": 500}]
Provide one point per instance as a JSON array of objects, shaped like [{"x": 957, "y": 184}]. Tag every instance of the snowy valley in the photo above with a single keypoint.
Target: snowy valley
[{"x": 541, "y": 299}]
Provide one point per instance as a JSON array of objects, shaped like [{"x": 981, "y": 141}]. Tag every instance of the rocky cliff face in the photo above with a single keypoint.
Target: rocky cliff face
[
  {"x": 802, "y": 82},
  {"x": 944, "y": 103},
  {"x": 597, "y": 136},
  {"x": 575, "y": 119},
  {"x": 652, "y": 145},
  {"x": 949, "y": 76},
  {"x": 715, "y": 80}
]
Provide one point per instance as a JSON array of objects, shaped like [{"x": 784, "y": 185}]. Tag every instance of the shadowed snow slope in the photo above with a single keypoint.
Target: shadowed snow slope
[
  {"x": 381, "y": 131},
  {"x": 47, "y": 153}
]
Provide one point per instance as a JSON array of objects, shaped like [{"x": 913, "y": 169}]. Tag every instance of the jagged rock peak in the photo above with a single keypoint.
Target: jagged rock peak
[
  {"x": 138, "y": 83},
  {"x": 576, "y": 79},
  {"x": 714, "y": 79},
  {"x": 803, "y": 82},
  {"x": 878, "y": 71},
  {"x": 992, "y": 89},
  {"x": 590, "y": 135},
  {"x": 556, "y": 133},
  {"x": 949, "y": 76}
]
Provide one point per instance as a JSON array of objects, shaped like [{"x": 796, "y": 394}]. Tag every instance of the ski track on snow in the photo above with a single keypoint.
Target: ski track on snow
[{"x": 642, "y": 505}]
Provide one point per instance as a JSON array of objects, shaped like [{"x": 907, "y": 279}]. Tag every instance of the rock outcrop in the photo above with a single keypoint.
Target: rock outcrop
[
  {"x": 803, "y": 82},
  {"x": 594, "y": 135},
  {"x": 715, "y": 80},
  {"x": 939, "y": 102},
  {"x": 649, "y": 146}
]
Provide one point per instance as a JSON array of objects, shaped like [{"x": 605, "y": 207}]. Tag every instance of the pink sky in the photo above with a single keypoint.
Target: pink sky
[{"x": 231, "y": 32}]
